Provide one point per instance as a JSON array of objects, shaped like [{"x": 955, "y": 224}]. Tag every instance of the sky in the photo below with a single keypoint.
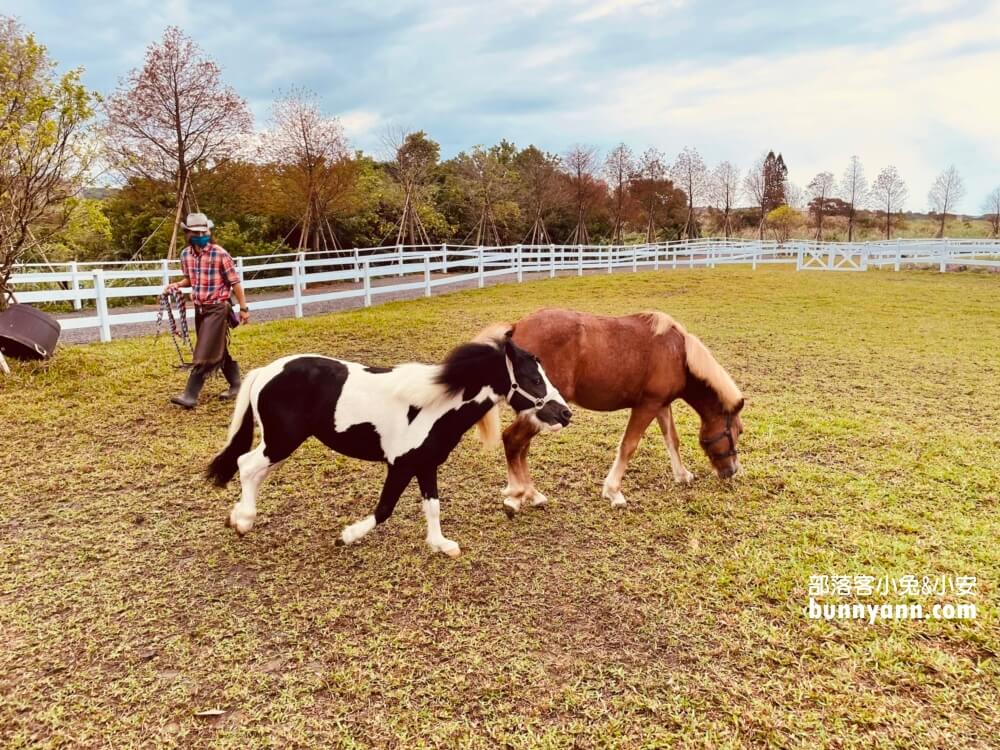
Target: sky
[{"x": 915, "y": 84}]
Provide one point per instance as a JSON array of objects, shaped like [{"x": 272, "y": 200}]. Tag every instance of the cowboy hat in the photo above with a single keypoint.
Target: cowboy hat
[{"x": 197, "y": 223}]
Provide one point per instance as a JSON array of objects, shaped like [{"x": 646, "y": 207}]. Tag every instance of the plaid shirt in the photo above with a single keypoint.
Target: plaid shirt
[{"x": 211, "y": 272}]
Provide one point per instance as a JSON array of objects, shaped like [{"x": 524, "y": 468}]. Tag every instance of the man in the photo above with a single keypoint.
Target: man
[{"x": 209, "y": 270}]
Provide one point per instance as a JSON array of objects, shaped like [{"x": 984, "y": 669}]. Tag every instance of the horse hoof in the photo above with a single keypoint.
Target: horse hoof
[
  {"x": 538, "y": 500},
  {"x": 240, "y": 527},
  {"x": 615, "y": 496},
  {"x": 686, "y": 478},
  {"x": 452, "y": 552},
  {"x": 339, "y": 542},
  {"x": 511, "y": 507}
]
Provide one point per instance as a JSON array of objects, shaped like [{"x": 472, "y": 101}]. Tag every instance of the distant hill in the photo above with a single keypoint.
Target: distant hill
[{"x": 99, "y": 193}]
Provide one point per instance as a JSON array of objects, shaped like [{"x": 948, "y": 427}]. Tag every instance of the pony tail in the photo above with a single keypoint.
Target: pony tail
[{"x": 488, "y": 428}]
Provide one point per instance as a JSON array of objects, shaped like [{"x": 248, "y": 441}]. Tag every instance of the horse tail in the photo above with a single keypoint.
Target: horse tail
[
  {"x": 222, "y": 468},
  {"x": 488, "y": 428}
]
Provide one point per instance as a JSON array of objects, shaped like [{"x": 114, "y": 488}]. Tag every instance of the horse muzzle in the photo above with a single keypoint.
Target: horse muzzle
[{"x": 554, "y": 415}]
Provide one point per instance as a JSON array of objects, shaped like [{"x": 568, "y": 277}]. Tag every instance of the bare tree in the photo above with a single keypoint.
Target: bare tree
[
  {"x": 619, "y": 168},
  {"x": 755, "y": 185},
  {"x": 315, "y": 171},
  {"x": 854, "y": 192},
  {"x": 991, "y": 206},
  {"x": 539, "y": 180},
  {"x": 649, "y": 183},
  {"x": 173, "y": 116},
  {"x": 413, "y": 159},
  {"x": 792, "y": 195},
  {"x": 45, "y": 150},
  {"x": 579, "y": 164},
  {"x": 725, "y": 190},
  {"x": 947, "y": 190},
  {"x": 888, "y": 194},
  {"x": 690, "y": 175},
  {"x": 820, "y": 191}
]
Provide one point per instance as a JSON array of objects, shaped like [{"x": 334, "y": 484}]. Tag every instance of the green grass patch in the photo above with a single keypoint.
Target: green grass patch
[{"x": 871, "y": 447}]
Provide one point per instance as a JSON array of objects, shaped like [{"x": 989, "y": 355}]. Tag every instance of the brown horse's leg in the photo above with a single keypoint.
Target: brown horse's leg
[
  {"x": 641, "y": 416},
  {"x": 666, "y": 421},
  {"x": 516, "y": 441}
]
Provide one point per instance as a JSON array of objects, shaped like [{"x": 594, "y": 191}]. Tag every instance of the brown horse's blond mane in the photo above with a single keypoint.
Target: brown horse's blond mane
[{"x": 700, "y": 361}]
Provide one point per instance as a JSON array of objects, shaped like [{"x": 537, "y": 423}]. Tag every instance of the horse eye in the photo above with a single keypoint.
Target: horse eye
[{"x": 537, "y": 380}]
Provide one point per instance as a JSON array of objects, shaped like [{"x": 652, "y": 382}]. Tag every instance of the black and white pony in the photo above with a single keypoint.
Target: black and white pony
[{"x": 411, "y": 417}]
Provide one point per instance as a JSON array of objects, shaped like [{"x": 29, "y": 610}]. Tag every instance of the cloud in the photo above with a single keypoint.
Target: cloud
[
  {"x": 889, "y": 80},
  {"x": 607, "y": 8}
]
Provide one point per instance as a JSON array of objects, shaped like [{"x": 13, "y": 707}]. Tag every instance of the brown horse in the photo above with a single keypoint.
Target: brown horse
[{"x": 640, "y": 362}]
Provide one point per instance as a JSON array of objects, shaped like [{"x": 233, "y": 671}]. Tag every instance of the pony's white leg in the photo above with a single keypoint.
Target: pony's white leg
[
  {"x": 435, "y": 539},
  {"x": 637, "y": 424},
  {"x": 666, "y": 421},
  {"x": 254, "y": 468},
  {"x": 392, "y": 488},
  {"x": 356, "y": 530}
]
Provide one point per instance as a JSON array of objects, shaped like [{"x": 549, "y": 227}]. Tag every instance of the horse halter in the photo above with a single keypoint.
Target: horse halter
[
  {"x": 726, "y": 433},
  {"x": 515, "y": 388}
]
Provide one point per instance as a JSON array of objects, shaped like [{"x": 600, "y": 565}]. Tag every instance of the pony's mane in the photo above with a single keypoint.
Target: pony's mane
[
  {"x": 421, "y": 385},
  {"x": 416, "y": 383},
  {"x": 700, "y": 361}
]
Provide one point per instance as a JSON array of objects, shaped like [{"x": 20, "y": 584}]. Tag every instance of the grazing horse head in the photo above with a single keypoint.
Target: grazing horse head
[
  {"x": 718, "y": 400},
  {"x": 719, "y": 437}
]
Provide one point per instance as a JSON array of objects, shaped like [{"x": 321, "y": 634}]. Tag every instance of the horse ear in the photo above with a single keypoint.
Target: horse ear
[
  {"x": 739, "y": 406},
  {"x": 508, "y": 334}
]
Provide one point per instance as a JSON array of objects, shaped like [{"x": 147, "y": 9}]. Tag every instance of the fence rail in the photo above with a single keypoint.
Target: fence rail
[{"x": 427, "y": 267}]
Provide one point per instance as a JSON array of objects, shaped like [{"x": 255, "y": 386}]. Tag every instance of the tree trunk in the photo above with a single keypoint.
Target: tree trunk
[
  {"x": 171, "y": 250},
  {"x": 850, "y": 224}
]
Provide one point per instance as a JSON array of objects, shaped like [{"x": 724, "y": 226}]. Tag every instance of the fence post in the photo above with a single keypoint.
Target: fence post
[
  {"x": 864, "y": 257},
  {"x": 656, "y": 257},
  {"x": 579, "y": 260},
  {"x": 611, "y": 259},
  {"x": 300, "y": 266},
  {"x": 552, "y": 261},
  {"x": 399, "y": 251},
  {"x": 798, "y": 259},
  {"x": 427, "y": 275},
  {"x": 944, "y": 256},
  {"x": 367, "y": 285},
  {"x": 357, "y": 266},
  {"x": 75, "y": 286},
  {"x": 519, "y": 262},
  {"x": 239, "y": 268},
  {"x": 753, "y": 265},
  {"x": 481, "y": 281},
  {"x": 297, "y": 288},
  {"x": 444, "y": 258},
  {"x": 165, "y": 271},
  {"x": 103, "y": 319},
  {"x": 898, "y": 254},
  {"x": 635, "y": 258}
]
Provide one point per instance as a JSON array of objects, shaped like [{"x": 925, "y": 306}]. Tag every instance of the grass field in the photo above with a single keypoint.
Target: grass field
[{"x": 871, "y": 447}]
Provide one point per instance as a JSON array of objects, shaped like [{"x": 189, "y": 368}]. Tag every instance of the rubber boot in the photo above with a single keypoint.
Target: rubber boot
[
  {"x": 189, "y": 399},
  {"x": 231, "y": 371}
]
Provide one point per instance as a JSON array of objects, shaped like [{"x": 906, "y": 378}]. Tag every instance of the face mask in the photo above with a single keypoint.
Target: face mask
[{"x": 200, "y": 240}]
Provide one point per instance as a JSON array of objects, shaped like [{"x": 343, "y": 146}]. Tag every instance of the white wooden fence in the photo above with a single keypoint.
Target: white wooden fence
[{"x": 366, "y": 273}]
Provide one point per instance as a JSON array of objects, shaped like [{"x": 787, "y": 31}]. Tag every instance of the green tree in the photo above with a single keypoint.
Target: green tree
[
  {"x": 86, "y": 234},
  {"x": 44, "y": 145},
  {"x": 783, "y": 220}
]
